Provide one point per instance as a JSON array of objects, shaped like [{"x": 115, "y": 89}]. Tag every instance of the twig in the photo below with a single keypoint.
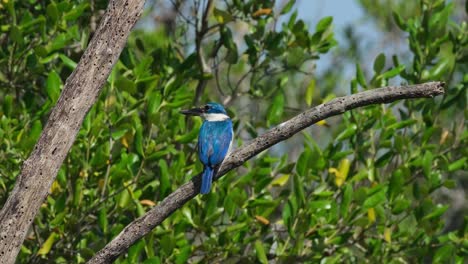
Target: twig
[
  {"x": 204, "y": 67},
  {"x": 143, "y": 225}
]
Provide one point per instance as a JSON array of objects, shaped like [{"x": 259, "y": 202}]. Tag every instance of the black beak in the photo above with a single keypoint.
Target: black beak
[{"x": 193, "y": 112}]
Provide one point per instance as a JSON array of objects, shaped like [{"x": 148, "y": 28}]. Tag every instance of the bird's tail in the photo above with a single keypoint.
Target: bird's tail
[{"x": 207, "y": 178}]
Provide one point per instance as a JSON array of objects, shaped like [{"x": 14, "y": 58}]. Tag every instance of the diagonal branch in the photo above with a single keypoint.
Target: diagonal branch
[
  {"x": 80, "y": 92},
  {"x": 143, "y": 225}
]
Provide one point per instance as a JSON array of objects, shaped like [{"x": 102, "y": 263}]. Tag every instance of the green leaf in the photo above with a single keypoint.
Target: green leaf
[
  {"x": 152, "y": 260},
  {"x": 402, "y": 124},
  {"x": 222, "y": 16},
  {"x": 438, "y": 20},
  {"x": 47, "y": 245},
  {"x": 444, "y": 254},
  {"x": 76, "y": 11},
  {"x": 154, "y": 103},
  {"x": 34, "y": 133},
  {"x": 324, "y": 23},
  {"x": 299, "y": 189},
  {"x": 347, "y": 198},
  {"x": 135, "y": 250},
  {"x": 399, "y": 21},
  {"x": 442, "y": 67},
  {"x": 354, "y": 86},
  {"x": 384, "y": 159},
  {"x": 16, "y": 35},
  {"x": 347, "y": 133},
  {"x": 320, "y": 205},
  {"x": 287, "y": 7},
  {"x": 125, "y": 84},
  {"x": 393, "y": 72},
  {"x": 67, "y": 61},
  {"x": 192, "y": 135},
  {"x": 60, "y": 41},
  {"x": 229, "y": 205},
  {"x": 8, "y": 105},
  {"x": 52, "y": 12},
  {"x": 78, "y": 194},
  {"x": 118, "y": 134},
  {"x": 282, "y": 82},
  {"x": 25, "y": 250},
  {"x": 438, "y": 211},
  {"x": 400, "y": 206},
  {"x": 102, "y": 220},
  {"x": 396, "y": 184},
  {"x": 379, "y": 63},
  {"x": 260, "y": 250},
  {"x": 302, "y": 164},
  {"x": 124, "y": 198},
  {"x": 165, "y": 183},
  {"x": 228, "y": 42},
  {"x": 310, "y": 92},
  {"x": 138, "y": 141},
  {"x": 450, "y": 184},
  {"x": 376, "y": 197},
  {"x": 53, "y": 85},
  {"x": 183, "y": 255},
  {"x": 427, "y": 163},
  {"x": 457, "y": 165},
  {"x": 275, "y": 112},
  {"x": 360, "y": 76}
]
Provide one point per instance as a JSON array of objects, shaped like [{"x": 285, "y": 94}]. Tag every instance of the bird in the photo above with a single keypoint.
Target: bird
[{"x": 214, "y": 139}]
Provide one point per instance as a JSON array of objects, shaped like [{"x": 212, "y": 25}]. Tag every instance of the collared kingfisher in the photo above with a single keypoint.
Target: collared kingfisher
[{"x": 214, "y": 140}]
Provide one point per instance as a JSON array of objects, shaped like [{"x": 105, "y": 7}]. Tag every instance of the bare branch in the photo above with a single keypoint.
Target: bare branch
[
  {"x": 79, "y": 93},
  {"x": 143, "y": 225},
  {"x": 199, "y": 35}
]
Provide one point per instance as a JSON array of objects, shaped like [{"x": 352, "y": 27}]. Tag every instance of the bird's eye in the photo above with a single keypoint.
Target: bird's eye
[{"x": 207, "y": 107}]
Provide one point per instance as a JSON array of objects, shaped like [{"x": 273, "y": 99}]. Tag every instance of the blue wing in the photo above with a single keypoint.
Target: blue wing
[{"x": 214, "y": 140}]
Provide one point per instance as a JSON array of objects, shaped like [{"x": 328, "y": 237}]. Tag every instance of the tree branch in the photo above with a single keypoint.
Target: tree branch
[
  {"x": 199, "y": 35},
  {"x": 143, "y": 225},
  {"x": 79, "y": 93}
]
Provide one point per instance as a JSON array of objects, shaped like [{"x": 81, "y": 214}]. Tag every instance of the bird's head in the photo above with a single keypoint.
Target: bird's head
[{"x": 210, "y": 111}]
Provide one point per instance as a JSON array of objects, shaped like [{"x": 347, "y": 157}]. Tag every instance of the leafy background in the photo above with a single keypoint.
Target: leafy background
[{"x": 384, "y": 183}]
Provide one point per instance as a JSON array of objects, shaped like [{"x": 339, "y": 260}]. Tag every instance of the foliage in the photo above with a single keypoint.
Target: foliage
[{"x": 376, "y": 189}]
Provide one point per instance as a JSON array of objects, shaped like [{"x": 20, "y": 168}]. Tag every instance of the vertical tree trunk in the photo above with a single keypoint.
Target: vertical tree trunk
[{"x": 80, "y": 92}]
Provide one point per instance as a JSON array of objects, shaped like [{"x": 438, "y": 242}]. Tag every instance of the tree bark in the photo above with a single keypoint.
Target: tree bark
[
  {"x": 80, "y": 92},
  {"x": 143, "y": 225}
]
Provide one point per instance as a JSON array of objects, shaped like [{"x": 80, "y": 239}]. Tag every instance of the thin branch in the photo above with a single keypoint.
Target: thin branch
[
  {"x": 199, "y": 35},
  {"x": 143, "y": 225},
  {"x": 181, "y": 14}
]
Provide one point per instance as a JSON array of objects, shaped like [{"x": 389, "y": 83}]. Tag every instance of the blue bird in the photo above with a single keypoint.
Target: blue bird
[{"x": 214, "y": 140}]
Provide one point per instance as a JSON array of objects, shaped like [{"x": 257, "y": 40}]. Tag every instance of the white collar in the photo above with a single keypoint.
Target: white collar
[{"x": 215, "y": 117}]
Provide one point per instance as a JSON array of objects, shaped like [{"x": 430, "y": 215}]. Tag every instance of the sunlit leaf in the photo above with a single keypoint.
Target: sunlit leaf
[
  {"x": 379, "y": 63},
  {"x": 281, "y": 180},
  {"x": 260, "y": 250},
  {"x": 388, "y": 234},
  {"x": 222, "y": 16},
  {"x": 53, "y": 86},
  {"x": 47, "y": 245},
  {"x": 310, "y": 92},
  {"x": 287, "y": 7}
]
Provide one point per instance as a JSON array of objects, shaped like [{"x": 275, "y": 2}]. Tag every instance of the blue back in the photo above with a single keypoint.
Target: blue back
[{"x": 214, "y": 139}]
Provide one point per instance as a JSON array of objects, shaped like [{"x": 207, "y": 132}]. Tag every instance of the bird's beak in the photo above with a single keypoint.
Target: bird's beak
[{"x": 193, "y": 112}]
